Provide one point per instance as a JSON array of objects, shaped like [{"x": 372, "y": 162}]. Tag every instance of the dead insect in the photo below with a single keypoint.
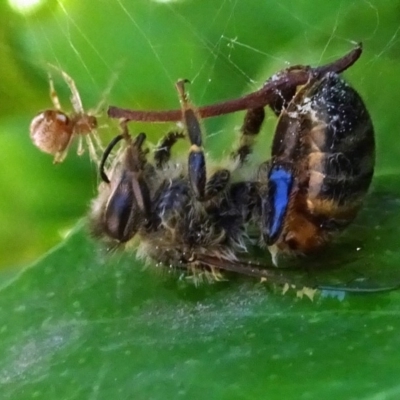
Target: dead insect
[
  {"x": 181, "y": 215},
  {"x": 322, "y": 154},
  {"x": 53, "y": 130},
  {"x": 184, "y": 214}
]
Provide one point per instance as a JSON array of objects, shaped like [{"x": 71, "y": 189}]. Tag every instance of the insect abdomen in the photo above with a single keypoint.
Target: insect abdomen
[
  {"x": 325, "y": 140},
  {"x": 340, "y": 144}
]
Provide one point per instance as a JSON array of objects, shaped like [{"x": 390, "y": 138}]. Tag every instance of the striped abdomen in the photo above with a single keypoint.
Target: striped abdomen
[{"x": 322, "y": 164}]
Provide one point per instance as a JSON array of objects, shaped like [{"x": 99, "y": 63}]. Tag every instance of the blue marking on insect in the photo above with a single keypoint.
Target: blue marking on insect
[{"x": 280, "y": 186}]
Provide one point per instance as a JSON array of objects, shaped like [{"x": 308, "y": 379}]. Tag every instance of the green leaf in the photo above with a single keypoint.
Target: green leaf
[{"x": 80, "y": 324}]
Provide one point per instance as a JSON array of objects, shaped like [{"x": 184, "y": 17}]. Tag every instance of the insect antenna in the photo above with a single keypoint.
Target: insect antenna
[
  {"x": 105, "y": 155},
  {"x": 288, "y": 78}
]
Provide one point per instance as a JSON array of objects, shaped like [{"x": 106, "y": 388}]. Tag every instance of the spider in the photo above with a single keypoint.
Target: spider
[{"x": 53, "y": 130}]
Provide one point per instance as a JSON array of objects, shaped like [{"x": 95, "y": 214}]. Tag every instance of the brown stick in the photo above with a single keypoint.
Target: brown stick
[{"x": 291, "y": 77}]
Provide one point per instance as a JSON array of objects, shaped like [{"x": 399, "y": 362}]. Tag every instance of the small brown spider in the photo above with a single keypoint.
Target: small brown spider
[{"x": 53, "y": 130}]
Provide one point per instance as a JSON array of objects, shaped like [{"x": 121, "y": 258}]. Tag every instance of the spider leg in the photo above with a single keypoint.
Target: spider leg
[
  {"x": 80, "y": 150},
  {"x": 97, "y": 140},
  {"x": 92, "y": 149},
  {"x": 162, "y": 153},
  {"x": 53, "y": 94},
  {"x": 202, "y": 189},
  {"x": 75, "y": 97},
  {"x": 251, "y": 127},
  {"x": 60, "y": 156}
]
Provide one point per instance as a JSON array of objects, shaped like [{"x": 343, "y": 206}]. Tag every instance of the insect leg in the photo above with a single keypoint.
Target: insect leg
[
  {"x": 197, "y": 163},
  {"x": 251, "y": 127},
  {"x": 162, "y": 153}
]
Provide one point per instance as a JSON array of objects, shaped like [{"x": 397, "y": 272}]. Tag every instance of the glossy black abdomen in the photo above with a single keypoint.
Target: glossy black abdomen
[{"x": 340, "y": 143}]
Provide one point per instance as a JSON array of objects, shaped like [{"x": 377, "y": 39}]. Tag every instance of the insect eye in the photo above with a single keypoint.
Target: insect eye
[{"x": 123, "y": 215}]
